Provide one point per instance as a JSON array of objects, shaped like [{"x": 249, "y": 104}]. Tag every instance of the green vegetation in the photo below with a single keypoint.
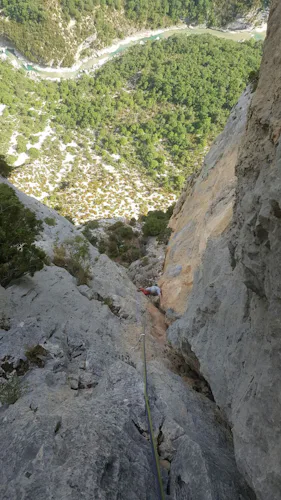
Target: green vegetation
[
  {"x": 92, "y": 224},
  {"x": 121, "y": 244},
  {"x": 92, "y": 238},
  {"x": 24, "y": 10},
  {"x": 33, "y": 30},
  {"x": 36, "y": 355},
  {"x": 133, "y": 222},
  {"x": 124, "y": 245},
  {"x": 34, "y": 153},
  {"x": 87, "y": 231},
  {"x": 145, "y": 261},
  {"x": 156, "y": 109},
  {"x": 50, "y": 221},
  {"x": 254, "y": 79},
  {"x": 10, "y": 390},
  {"x": 213, "y": 12},
  {"x": 159, "y": 105},
  {"x": 156, "y": 224},
  {"x": 73, "y": 255},
  {"x": 18, "y": 230},
  {"x": 110, "y": 304},
  {"x": 41, "y": 31},
  {"x": 43, "y": 36},
  {"x": 120, "y": 230},
  {"x": 155, "y": 12},
  {"x": 5, "y": 169},
  {"x": 4, "y": 323}
]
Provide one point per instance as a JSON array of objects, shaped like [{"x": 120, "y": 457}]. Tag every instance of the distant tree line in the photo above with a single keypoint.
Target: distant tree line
[
  {"x": 24, "y": 11},
  {"x": 154, "y": 11}
]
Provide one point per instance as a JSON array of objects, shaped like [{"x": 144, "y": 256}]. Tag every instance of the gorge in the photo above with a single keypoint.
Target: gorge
[{"x": 72, "y": 411}]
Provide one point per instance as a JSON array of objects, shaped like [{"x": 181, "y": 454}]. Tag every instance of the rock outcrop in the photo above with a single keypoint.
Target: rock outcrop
[
  {"x": 73, "y": 422},
  {"x": 231, "y": 326},
  {"x": 147, "y": 271},
  {"x": 254, "y": 19}
]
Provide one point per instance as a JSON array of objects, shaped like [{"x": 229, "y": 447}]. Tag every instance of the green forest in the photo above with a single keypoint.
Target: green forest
[
  {"x": 41, "y": 32},
  {"x": 181, "y": 93},
  {"x": 158, "y": 106},
  {"x": 155, "y": 11}
]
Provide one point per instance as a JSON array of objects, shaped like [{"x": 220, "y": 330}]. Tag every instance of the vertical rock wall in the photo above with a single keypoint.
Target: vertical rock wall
[
  {"x": 204, "y": 210},
  {"x": 233, "y": 319}
]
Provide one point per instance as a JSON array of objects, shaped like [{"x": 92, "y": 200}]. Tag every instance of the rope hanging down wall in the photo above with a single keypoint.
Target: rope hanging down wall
[{"x": 155, "y": 457}]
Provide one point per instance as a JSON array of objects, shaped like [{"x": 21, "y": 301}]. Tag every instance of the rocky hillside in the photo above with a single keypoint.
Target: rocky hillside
[{"x": 230, "y": 278}]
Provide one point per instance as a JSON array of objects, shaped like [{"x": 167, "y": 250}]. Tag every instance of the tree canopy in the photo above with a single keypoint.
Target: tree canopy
[
  {"x": 166, "y": 100},
  {"x": 157, "y": 107},
  {"x": 18, "y": 230}
]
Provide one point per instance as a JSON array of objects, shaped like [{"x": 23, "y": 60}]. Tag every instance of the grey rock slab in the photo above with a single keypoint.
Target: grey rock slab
[
  {"x": 78, "y": 428},
  {"x": 87, "y": 292},
  {"x": 81, "y": 431}
]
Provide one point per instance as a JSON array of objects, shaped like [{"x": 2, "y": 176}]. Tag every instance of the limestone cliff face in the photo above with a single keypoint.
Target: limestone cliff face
[
  {"x": 74, "y": 425},
  {"x": 203, "y": 211},
  {"x": 232, "y": 320}
]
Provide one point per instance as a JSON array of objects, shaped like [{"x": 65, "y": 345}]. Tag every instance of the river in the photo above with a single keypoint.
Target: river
[{"x": 108, "y": 53}]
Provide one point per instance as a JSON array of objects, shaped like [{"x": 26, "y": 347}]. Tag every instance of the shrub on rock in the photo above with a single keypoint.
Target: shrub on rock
[{"x": 18, "y": 230}]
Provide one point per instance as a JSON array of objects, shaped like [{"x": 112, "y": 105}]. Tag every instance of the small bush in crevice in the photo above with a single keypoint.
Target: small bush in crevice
[
  {"x": 254, "y": 79},
  {"x": 36, "y": 355},
  {"x": 132, "y": 254},
  {"x": 92, "y": 224},
  {"x": 73, "y": 256},
  {"x": 116, "y": 225},
  {"x": 164, "y": 237},
  {"x": 50, "y": 221},
  {"x": 102, "y": 247},
  {"x": 10, "y": 390},
  {"x": 90, "y": 237},
  {"x": 109, "y": 303},
  {"x": 122, "y": 243},
  {"x": 18, "y": 230},
  {"x": 145, "y": 261},
  {"x": 4, "y": 323}
]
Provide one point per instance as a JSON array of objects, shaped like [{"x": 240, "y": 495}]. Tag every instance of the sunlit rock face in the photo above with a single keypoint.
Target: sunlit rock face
[
  {"x": 231, "y": 323},
  {"x": 204, "y": 210}
]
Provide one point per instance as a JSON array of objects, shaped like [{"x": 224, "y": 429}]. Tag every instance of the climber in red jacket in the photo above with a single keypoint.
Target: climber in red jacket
[{"x": 151, "y": 290}]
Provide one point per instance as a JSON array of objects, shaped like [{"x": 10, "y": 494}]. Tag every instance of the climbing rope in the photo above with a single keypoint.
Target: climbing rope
[{"x": 155, "y": 457}]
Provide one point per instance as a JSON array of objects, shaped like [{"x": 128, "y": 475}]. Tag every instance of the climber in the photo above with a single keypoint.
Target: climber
[{"x": 151, "y": 290}]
